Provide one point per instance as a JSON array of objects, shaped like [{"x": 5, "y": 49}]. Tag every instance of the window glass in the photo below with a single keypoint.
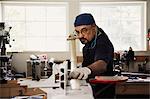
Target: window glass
[
  {"x": 124, "y": 23},
  {"x": 36, "y": 27}
]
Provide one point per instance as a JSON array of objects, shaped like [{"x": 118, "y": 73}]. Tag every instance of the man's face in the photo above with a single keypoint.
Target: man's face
[{"x": 85, "y": 33}]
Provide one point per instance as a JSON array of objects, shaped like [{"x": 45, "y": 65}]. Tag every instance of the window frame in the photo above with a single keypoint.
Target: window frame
[
  {"x": 144, "y": 5},
  {"x": 18, "y": 3}
]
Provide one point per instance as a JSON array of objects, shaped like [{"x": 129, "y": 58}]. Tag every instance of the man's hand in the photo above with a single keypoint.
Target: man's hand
[{"x": 80, "y": 73}]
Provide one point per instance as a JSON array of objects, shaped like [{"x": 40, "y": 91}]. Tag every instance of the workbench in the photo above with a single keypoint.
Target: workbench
[{"x": 134, "y": 88}]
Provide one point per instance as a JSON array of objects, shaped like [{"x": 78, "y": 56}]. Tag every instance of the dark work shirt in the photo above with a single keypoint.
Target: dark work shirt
[
  {"x": 130, "y": 55},
  {"x": 103, "y": 50}
]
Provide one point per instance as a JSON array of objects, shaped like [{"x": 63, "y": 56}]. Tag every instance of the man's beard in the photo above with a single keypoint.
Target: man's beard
[{"x": 83, "y": 40}]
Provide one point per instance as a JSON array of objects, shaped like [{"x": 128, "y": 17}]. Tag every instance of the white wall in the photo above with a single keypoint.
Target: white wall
[
  {"x": 148, "y": 13},
  {"x": 19, "y": 59},
  {"x": 0, "y": 12}
]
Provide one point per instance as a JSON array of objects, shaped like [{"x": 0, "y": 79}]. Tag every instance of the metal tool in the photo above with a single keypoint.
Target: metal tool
[{"x": 4, "y": 58}]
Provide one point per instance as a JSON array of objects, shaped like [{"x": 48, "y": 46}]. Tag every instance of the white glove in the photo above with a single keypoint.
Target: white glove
[{"x": 80, "y": 73}]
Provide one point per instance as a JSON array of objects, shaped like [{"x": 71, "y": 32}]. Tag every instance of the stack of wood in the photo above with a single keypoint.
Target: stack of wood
[{"x": 13, "y": 89}]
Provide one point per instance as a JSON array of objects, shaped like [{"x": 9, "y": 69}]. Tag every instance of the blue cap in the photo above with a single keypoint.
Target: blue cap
[{"x": 84, "y": 19}]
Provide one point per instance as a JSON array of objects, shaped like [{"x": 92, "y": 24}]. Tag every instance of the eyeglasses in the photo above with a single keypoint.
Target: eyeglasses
[{"x": 83, "y": 31}]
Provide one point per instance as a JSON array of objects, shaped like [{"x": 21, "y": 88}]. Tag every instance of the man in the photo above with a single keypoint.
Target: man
[
  {"x": 130, "y": 59},
  {"x": 97, "y": 55}
]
